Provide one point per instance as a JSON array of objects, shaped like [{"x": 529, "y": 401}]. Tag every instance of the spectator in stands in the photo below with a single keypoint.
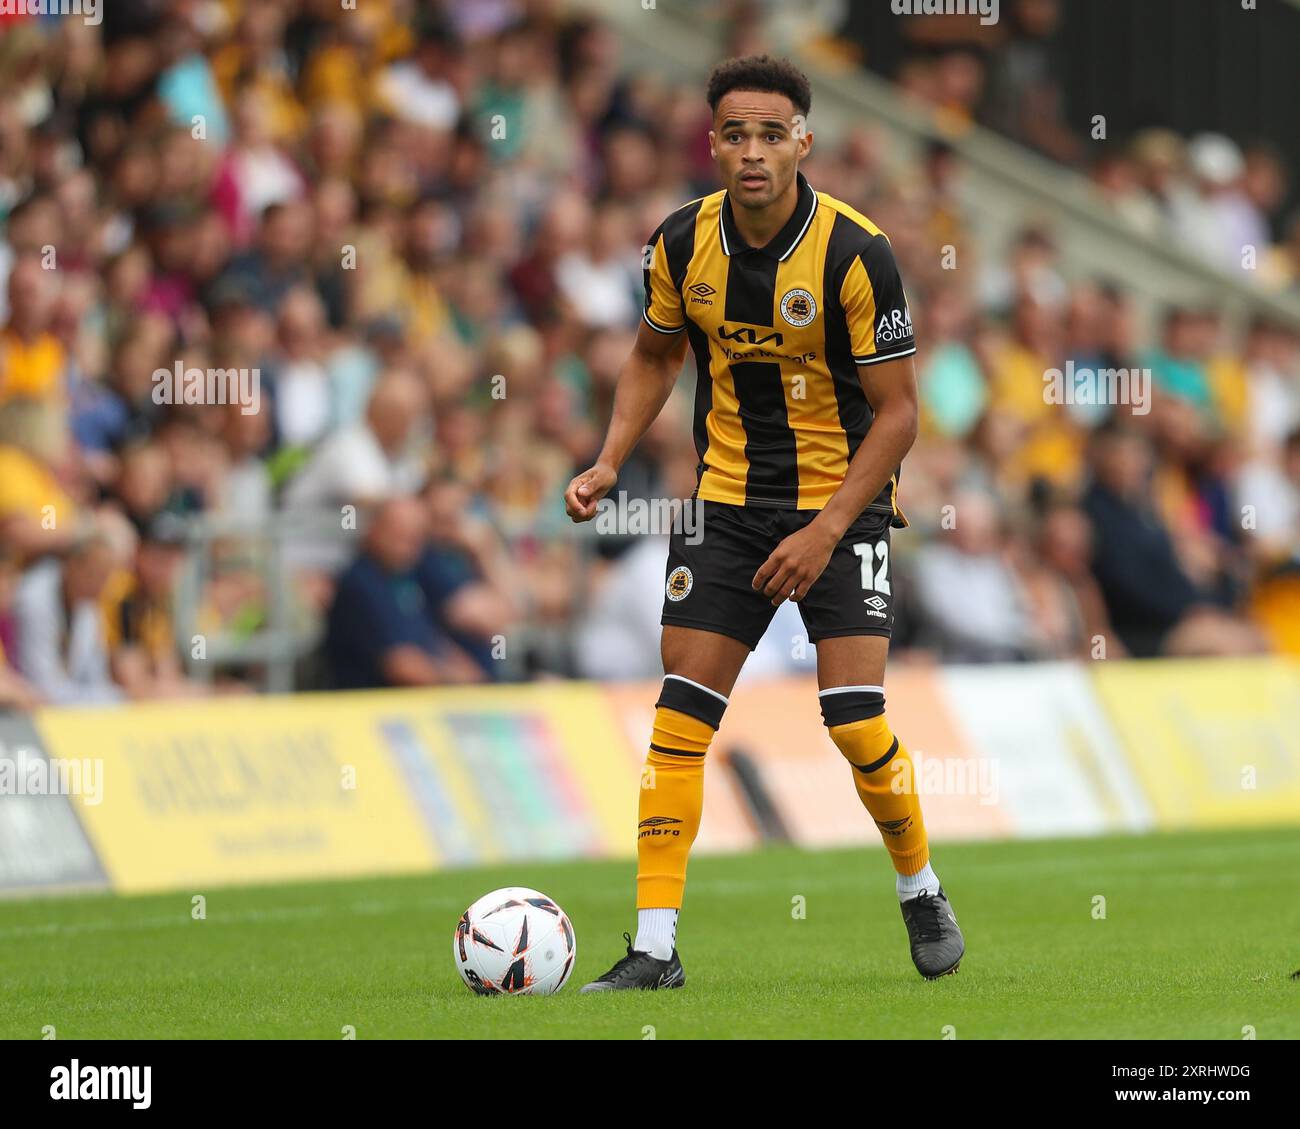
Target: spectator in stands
[
  {"x": 255, "y": 177},
  {"x": 1152, "y": 602},
  {"x": 15, "y": 691},
  {"x": 1068, "y": 609},
  {"x": 364, "y": 465},
  {"x": 1159, "y": 157},
  {"x": 1268, "y": 491},
  {"x": 599, "y": 281},
  {"x": 60, "y": 625},
  {"x": 1115, "y": 176},
  {"x": 303, "y": 404},
  {"x": 381, "y": 625},
  {"x": 465, "y": 570},
  {"x": 418, "y": 90},
  {"x": 278, "y": 261},
  {"x": 952, "y": 386},
  {"x": 1270, "y": 407},
  {"x": 246, "y": 488},
  {"x": 1178, "y": 366},
  {"x": 145, "y": 484},
  {"x": 973, "y": 606},
  {"x": 31, "y": 358},
  {"x": 1269, "y": 494},
  {"x": 1214, "y": 219},
  {"x": 375, "y": 459},
  {"x": 37, "y": 513},
  {"x": 562, "y": 227},
  {"x": 139, "y": 631}
]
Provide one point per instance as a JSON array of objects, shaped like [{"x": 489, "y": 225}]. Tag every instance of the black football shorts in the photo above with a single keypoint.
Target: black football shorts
[{"x": 708, "y": 584}]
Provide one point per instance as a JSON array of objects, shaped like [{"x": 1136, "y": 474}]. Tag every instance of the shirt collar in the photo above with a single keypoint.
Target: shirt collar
[{"x": 783, "y": 243}]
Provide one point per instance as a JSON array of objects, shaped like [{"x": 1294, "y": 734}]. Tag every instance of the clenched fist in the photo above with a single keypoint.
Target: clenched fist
[{"x": 587, "y": 489}]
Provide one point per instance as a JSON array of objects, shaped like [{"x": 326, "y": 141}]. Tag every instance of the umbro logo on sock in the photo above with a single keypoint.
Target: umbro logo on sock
[{"x": 654, "y": 826}]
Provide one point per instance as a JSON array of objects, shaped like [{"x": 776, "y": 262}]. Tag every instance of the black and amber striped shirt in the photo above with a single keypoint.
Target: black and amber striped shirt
[{"x": 778, "y": 332}]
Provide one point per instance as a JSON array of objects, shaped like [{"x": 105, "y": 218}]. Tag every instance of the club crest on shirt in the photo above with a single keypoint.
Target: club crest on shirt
[
  {"x": 679, "y": 584},
  {"x": 798, "y": 307}
]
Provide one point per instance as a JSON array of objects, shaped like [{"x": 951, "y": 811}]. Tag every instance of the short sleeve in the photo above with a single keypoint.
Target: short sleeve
[
  {"x": 663, "y": 301},
  {"x": 880, "y": 324}
]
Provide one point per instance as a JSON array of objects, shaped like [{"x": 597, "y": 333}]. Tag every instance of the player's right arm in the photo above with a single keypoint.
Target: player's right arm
[{"x": 644, "y": 384}]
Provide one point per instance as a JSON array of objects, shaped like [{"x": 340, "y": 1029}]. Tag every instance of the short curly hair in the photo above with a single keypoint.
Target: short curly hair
[{"x": 763, "y": 73}]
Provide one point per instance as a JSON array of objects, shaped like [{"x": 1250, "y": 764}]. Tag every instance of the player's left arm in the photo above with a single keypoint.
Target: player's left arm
[
  {"x": 797, "y": 562},
  {"x": 880, "y": 331},
  {"x": 890, "y": 387}
]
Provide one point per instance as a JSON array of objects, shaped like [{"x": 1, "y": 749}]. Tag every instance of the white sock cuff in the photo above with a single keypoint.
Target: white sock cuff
[
  {"x": 656, "y": 932},
  {"x": 910, "y": 885}
]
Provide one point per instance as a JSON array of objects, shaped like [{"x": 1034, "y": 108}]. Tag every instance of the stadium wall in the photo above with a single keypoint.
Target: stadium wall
[{"x": 182, "y": 795}]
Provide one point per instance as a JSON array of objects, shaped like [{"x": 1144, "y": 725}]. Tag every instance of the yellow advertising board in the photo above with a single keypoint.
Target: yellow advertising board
[
  {"x": 1215, "y": 743},
  {"x": 312, "y": 785},
  {"x": 239, "y": 790}
]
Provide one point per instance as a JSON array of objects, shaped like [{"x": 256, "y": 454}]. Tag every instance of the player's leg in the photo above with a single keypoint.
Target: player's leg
[
  {"x": 701, "y": 668},
  {"x": 849, "y": 615},
  {"x": 850, "y": 680},
  {"x": 712, "y": 620},
  {"x": 850, "y": 677}
]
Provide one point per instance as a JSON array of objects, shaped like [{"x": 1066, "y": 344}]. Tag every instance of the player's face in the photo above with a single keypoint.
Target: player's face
[{"x": 758, "y": 140}]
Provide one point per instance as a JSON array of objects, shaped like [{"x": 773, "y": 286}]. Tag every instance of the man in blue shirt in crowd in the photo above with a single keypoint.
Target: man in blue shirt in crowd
[{"x": 383, "y": 628}]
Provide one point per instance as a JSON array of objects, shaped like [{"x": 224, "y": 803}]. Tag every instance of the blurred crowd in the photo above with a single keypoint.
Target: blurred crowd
[
  {"x": 1220, "y": 200},
  {"x": 421, "y": 225}
]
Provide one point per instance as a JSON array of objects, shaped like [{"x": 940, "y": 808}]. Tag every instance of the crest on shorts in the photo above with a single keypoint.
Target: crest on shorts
[
  {"x": 679, "y": 583},
  {"x": 798, "y": 307}
]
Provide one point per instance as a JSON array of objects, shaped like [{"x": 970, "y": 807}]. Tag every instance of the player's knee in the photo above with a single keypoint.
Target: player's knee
[
  {"x": 855, "y": 718},
  {"x": 686, "y": 717}
]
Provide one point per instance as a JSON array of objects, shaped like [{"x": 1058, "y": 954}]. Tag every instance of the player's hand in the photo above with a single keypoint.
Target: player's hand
[
  {"x": 795, "y": 565},
  {"x": 587, "y": 489}
]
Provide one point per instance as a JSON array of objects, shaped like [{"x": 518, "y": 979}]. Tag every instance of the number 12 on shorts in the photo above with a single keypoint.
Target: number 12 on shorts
[{"x": 873, "y": 579}]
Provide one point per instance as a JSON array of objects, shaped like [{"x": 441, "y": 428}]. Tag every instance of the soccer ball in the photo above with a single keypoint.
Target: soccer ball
[{"x": 514, "y": 942}]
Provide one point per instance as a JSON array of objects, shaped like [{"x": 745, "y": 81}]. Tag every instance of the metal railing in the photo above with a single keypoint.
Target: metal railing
[{"x": 283, "y": 632}]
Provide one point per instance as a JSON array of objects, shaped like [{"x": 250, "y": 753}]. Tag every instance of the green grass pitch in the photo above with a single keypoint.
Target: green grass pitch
[{"x": 1201, "y": 934}]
